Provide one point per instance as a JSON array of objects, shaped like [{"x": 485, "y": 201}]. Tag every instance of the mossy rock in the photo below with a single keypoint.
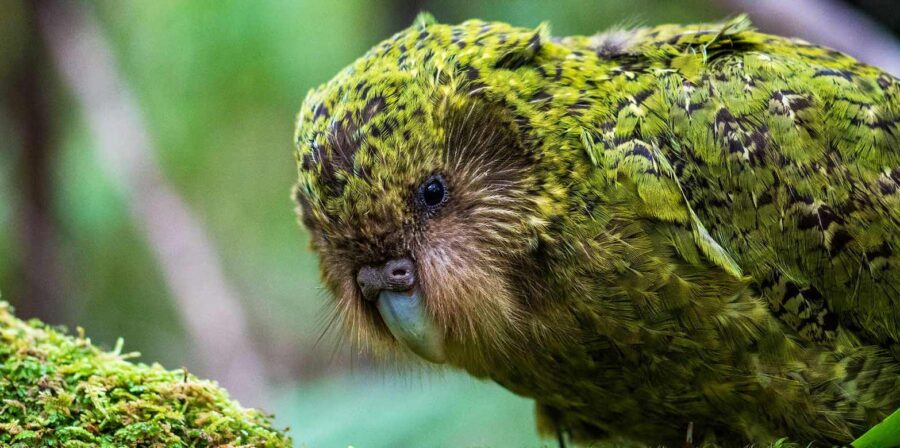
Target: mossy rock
[{"x": 58, "y": 390}]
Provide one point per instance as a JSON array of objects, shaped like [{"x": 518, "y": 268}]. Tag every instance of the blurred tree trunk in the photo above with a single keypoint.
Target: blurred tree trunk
[
  {"x": 28, "y": 90},
  {"x": 884, "y": 11},
  {"x": 825, "y": 22},
  {"x": 208, "y": 305}
]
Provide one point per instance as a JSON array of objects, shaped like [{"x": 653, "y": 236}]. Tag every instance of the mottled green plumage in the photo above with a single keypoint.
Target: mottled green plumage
[{"x": 646, "y": 229}]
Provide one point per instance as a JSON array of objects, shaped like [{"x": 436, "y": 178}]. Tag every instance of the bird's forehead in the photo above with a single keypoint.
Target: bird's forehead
[
  {"x": 388, "y": 97},
  {"x": 365, "y": 141},
  {"x": 372, "y": 132},
  {"x": 368, "y": 132}
]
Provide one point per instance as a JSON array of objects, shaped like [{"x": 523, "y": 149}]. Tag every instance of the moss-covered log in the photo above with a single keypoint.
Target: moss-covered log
[{"x": 58, "y": 390}]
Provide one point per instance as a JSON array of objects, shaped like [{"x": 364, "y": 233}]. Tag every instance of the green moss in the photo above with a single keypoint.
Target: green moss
[{"x": 57, "y": 390}]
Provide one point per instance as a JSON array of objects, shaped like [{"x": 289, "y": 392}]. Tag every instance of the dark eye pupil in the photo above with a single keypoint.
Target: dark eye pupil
[{"x": 433, "y": 193}]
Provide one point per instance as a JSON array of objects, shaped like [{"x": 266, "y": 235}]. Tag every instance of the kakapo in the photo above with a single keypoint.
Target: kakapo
[{"x": 642, "y": 230}]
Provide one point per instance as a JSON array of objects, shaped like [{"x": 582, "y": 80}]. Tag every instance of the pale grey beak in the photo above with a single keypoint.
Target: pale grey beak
[{"x": 405, "y": 315}]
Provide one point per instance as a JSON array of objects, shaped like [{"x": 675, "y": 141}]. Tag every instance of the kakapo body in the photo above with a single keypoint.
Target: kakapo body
[{"x": 643, "y": 230}]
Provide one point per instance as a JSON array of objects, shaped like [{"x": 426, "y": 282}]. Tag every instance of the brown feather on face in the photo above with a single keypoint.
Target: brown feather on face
[{"x": 469, "y": 253}]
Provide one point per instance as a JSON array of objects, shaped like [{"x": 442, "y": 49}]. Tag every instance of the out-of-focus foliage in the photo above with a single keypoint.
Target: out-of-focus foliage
[
  {"x": 218, "y": 84},
  {"x": 444, "y": 410},
  {"x": 886, "y": 433}
]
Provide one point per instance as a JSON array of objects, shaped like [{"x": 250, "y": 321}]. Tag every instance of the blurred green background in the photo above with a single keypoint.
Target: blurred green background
[{"x": 216, "y": 85}]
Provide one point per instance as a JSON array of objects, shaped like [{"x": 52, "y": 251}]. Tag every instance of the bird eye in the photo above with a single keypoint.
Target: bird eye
[{"x": 433, "y": 192}]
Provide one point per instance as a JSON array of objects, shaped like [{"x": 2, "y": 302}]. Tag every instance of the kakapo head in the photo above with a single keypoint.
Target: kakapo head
[{"x": 426, "y": 182}]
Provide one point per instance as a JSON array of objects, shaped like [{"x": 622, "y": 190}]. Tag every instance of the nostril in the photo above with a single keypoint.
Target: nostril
[
  {"x": 400, "y": 274},
  {"x": 395, "y": 275}
]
